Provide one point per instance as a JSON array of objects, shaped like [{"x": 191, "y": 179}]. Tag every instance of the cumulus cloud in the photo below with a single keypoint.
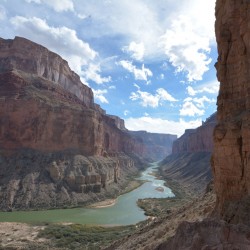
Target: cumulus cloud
[
  {"x": 210, "y": 88},
  {"x": 57, "y": 5},
  {"x": 186, "y": 49},
  {"x": 61, "y": 40},
  {"x": 148, "y": 100},
  {"x": 99, "y": 95},
  {"x": 139, "y": 74},
  {"x": 190, "y": 109},
  {"x": 93, "y": 73},
  {"x": 194, "y": 106},
  {"x": 136, "y": 50},
  {"x": 158, "y": 125}
]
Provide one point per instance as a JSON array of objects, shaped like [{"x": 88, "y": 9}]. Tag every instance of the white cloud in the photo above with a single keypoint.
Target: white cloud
[
  {"x": 164, "y": 95},
  {"x": 99, "y": 95},
  {"x": 186, "y": 49},
  {"x": 194, "y": 106},
  {"x": 158, "y": 125},
  {"x": 112, "y": 87},
  {"x": 139, "y": 74},
  {"x": 57, "y": 5},
  {"x": 200, "y": 102},
  {"x": 209, "y": 87},
  {"x": 61, "y": 40},
  {"x": 2, "y": 13},
  {"x": 136, "y": 50},
  {"x": 190, "y": 109},
  {"x": 93, "y": 71},
  {"x": 191, "y": 91},
  {"x": 148, "y": 100}
]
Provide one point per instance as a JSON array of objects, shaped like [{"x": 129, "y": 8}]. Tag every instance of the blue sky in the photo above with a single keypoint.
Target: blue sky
[{"x": 149, "y": 62}]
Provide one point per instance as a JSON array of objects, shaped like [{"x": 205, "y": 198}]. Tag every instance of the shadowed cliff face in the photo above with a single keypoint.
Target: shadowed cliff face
[
  {"x": 196, "y": 140},
  {"x": 231, "y": 165}
]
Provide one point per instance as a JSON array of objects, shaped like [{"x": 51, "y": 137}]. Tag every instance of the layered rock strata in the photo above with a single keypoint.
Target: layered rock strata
[
  {"x": 231, "y": 165},
  {"x": 197, "y": 140},
  {"x": 27, "y": 56},
  {"x": 31, "y": 179},
  {"x": 46, "y": 110},
  {"x": 156, "y": 146}
]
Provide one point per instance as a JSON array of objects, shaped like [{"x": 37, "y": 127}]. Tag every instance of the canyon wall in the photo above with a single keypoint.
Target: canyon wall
[
  {"x": 197, "y": 140},
  {"x": 32, "y": 58},
  {"x": 53, "y": 137},
  {"x": 156, "y": 146},
  {"x": 231, "y": 164},
  {"x": 189, "y": 164}
]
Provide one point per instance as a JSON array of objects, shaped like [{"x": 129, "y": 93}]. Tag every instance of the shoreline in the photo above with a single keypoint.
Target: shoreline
[{"x": 103, "y": 204}]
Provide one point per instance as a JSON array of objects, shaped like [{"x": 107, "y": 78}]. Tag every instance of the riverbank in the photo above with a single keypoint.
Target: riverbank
[
  {"x": 132, "y": 185},
  {"x": 158, "y": 207}
]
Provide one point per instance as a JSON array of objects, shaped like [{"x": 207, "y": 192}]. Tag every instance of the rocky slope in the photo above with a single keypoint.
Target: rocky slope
[
  {"x": 191, "y": 170},
  {"x": 197, "y": 140},
  {"x": 156, "y": 146},
  {"x": 57, "y": 147},
  {"x": 189, "y": 164}
]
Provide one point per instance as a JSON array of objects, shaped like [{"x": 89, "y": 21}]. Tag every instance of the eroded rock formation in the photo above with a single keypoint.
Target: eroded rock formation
[
  {"x": 196, "y": 140},
  {"x": 27, "y": 56},
  {"x": 46, "y": 110},
  {"x": 231, "y": 165}
]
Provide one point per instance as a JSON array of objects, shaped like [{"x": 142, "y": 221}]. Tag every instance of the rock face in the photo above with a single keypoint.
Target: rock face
[
  {"x": 231, "y": 165},
  {"x": 156, "y": 146},
  {"x": 197, "y": 140},
  {"x": 209, "y": 234},
  {"x": 24, "y": 55},
  {"x": 57, "y": 147},
  {"x": 192, "y": 170},
  {"x": 31, "y": 179}
]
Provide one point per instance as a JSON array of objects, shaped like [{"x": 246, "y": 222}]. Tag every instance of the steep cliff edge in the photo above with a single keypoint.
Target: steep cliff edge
[
  {"x": 189, "y": 163},
  {"x": 32, "y": 58},
  {"x": 197, "y": 140},
  {"x": 57, "y": 148},
  {"x": 231, "y": 165}
]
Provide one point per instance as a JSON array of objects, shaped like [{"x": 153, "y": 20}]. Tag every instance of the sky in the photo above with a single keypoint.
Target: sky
[{"x": 149, "y": 62}]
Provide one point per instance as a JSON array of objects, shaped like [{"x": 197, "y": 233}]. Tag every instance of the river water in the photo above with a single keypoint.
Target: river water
[{"x": 124, "y": 212}]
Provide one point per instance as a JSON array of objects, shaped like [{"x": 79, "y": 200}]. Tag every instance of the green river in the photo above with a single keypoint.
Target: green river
[{"x": 124, "y": 212}]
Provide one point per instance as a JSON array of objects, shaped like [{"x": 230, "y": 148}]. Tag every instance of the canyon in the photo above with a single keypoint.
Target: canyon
[
  {"x": 189, "y": 164},
  {"x": 225, "y": 222},
  {"x": 58, "y": 148}
]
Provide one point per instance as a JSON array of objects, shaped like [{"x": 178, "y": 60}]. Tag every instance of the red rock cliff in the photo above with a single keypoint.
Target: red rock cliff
[
  {"x": 57, "y": 146},
  {"x": 44, "y": 106},
  {"x": 231, "y": 164},
  {"x": 196, "y": 140},
  {"x": 27, "y": 56}
]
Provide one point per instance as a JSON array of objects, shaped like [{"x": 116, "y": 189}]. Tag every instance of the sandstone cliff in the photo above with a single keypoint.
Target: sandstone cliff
[
  {"x": 197, "y": 140},
  {"x": 156, "y": 146},
  {"x": 22, "y": 54},
  {"x": 231, "y": 165},
  {"x": 189, "y": 164},
  {"x": 57, "y": 147}
]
